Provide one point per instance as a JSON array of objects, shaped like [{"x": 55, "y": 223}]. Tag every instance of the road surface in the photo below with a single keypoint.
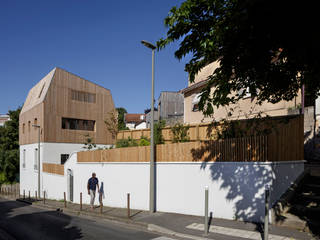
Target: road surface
[{"x": 22, "y": 221}]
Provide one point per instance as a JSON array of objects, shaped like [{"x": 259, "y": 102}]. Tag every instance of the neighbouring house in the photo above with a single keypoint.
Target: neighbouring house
[
  {"x": 68, "y": 111},
  {"x": 148, "y": 116},
  {"x": 135, "y": 120},
  {"x": 170, "y": 107},
  {"x": 245, "y": 108},
  {"x": 3, "y": 119}
]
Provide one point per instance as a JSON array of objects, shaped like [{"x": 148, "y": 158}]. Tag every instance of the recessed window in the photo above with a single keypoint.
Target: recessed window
[
  {"x": 195, "y": 102},
  {"x": 24, "y": 158},
  {"x": 29, "y": 126},
  {"x": 64, "y": 158},
  {"x": 83, "y": 96},
  {"x": 23, "y": 127},
  {"x": 77, "y": 124},
  {"x": 41, "y": 90},
  {"x": 35, "y": 122},
  {"x": 35, "y": 159}
]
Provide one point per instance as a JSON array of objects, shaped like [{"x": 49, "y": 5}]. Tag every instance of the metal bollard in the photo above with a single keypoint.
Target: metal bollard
[
  {"x": 206, "y": 207},
  {"x": 44, "y": 197},
  {"x": 266, "y": 213},
  {"x": 35, "y": 194},
  {"x": 64, "y": 198},
  {"x": 81, "y": 201},
  {"x": 128, "y": 204},
  {"x": 24, "y": 194}
]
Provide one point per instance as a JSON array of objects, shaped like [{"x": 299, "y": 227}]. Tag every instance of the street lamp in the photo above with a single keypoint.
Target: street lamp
[
  {"x": 38, "y": 126},
  {"x": 152, "y": 169}
]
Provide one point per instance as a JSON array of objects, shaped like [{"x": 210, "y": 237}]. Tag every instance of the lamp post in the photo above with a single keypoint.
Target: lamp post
[
  {"x": 38, "y": 126},
  {"x": 152, "y": 169}
]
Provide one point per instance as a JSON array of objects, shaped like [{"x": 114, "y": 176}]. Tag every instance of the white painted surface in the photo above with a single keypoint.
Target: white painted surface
[
  {"x": 142, "y": 125},
  {"x": 49, "y": 153},
  {"x": 236, "y": 189}
]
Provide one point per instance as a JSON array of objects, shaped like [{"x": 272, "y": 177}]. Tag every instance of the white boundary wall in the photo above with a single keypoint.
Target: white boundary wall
[
  {"x": 236, "y": 189},
  {"x": 49, "y": 153}
]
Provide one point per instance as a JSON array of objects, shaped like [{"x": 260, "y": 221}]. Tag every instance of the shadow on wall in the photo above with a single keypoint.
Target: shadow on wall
[
  {"x": 312, "y": 146},
  {"x": 244, "y": 182},
  {"x": 36, "y": 225}
]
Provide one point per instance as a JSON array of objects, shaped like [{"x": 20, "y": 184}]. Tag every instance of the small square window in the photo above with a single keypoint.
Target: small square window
[{"x": 64, "y": 158}]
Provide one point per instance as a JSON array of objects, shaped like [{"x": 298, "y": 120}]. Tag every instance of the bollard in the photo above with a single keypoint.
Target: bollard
[
  {"x": 64, "y": 198},
  {"x": 29, "y": 196},
  {"x": 206, "y": 202},
  {"x": 24, "y": 194},
  {"x": 128, "y": 204},
  {"x": 44, "y": 197},
  {"x": 266, "y": 213},
  {"x": 35, "y": 194},
  {"x": 81, "y": 201},
  {"x": 101, "y": 207}
]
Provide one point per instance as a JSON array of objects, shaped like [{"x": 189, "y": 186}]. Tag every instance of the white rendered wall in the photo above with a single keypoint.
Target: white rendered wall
[
  {"x": 236, "y": 189},
  {"x": 49, "y": 153}
]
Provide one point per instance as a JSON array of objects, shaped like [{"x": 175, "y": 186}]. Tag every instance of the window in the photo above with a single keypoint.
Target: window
[
  {"x": 195, "y": 102},
  {"x": 24, "y": 158},
  {"x": 35, "y": 122},
  {"x": 77, "y": 124},
  {"x": 246, "y": 91},
  {"x": 36, "y": 159},
  {"x": 23, "y": 127},
  {"x": 64, "y": 158},
  {"x": 83, "y": 96},
  {"x": 41, "y": 90},
  {"x": 29, "y": 126}
]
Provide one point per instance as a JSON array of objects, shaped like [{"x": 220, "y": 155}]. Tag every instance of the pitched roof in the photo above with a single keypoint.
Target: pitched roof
[
  {"x": 37, "y": 94},
  {"x": 134, "y": 117}
]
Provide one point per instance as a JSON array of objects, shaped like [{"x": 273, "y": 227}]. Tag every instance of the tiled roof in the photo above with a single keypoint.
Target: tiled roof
[{"x": 134, "y": 117}]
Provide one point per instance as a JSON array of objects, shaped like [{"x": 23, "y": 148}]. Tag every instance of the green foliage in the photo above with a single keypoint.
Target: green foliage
[
  {"x": 126, "y": 143},
  {"x": 89, "y": 144},
  {"x": 144, "y": 141},
  {"x": 121, "y": 124},
  {"x": 157, "y": 131},
  {"x": 9, "y": 148},
  {"x": 180, "y": 133},
  {"x": 259, "y": 44}
]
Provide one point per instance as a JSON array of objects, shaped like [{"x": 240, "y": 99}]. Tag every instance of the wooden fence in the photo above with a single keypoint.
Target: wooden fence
[
  {"x": 53, "y": 168},
  {"x": 206, "y": 131},
  {"x": 283, "y": 143}
]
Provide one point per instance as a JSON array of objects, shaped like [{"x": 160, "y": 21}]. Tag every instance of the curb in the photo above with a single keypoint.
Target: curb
[{"x": 145, "y": 226}]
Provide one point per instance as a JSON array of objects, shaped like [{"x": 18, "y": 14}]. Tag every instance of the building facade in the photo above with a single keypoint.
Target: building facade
[
  {"x": 170, "y": 107},
  {"x": 245, "y": 108},
  {"x": 66, "y": 110}
]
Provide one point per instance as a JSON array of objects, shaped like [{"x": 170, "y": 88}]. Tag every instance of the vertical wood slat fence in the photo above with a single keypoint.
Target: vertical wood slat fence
[{"x": 233, "y": 150}]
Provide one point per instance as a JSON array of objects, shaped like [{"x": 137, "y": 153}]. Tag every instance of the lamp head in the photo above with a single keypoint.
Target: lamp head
[{"x": 148, "y": 45}]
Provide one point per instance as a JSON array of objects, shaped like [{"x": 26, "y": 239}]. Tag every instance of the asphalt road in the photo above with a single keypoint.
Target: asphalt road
[{"x": 22, "y": 221}]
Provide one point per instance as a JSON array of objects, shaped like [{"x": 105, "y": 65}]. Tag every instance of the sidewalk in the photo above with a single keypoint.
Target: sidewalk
[{"x": 183, "y": 226}]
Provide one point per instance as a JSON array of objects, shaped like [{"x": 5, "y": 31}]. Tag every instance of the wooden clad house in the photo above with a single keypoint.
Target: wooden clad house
[{"x": 69, "y": 110}]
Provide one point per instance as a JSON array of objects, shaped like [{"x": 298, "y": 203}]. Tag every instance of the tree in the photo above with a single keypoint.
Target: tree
[
  {"x": 112, "y": 123},
  {"x": 267, "y": 46},
  {"x": 121, "y": 124},
  {"x": 9, "y": 148},
  {"x": 89, "y": 143}
]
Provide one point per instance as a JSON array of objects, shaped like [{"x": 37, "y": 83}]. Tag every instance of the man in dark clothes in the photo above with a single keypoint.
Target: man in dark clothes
[{"x": 93, "y": 182}]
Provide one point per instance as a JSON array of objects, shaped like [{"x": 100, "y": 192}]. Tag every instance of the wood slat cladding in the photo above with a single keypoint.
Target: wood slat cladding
[
  {"x": 53, "y": 168},
  {"x": 58, "y": 103}
]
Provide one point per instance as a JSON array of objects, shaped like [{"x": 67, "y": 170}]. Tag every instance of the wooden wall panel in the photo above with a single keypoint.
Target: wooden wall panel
[
  {"x": 58, "y": 103},
  {"x": 53, "y": 168}
]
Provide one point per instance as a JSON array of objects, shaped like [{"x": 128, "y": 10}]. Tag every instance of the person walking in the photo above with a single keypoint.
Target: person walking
[{"x": 92, "y": 185}]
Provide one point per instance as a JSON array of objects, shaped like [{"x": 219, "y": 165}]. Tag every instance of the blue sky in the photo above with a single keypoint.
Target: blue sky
[{"x": 96, "y": 39}]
